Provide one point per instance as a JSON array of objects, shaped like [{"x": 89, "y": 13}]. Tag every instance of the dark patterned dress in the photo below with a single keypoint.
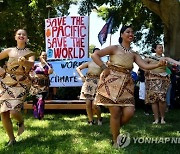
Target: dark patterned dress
[
  {"x": 117, "y": 89},
  {"x": 15, "y": 84},
  {"x": 88, "y": 90}
]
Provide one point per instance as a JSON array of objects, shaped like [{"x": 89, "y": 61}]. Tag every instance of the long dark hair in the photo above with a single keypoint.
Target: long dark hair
[{"x": 122, "y": 31}]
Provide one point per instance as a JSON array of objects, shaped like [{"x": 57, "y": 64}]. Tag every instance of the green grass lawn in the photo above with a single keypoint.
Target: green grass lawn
[{"x": 67, "y": 132}]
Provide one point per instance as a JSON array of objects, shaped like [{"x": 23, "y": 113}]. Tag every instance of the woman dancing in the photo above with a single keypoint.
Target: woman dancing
[
  {"x": 89, "y": 87},
  {"x": 15, "y": 83},
  {"x": 157, "y": 83},
  {"x": 116, "y": 87}
]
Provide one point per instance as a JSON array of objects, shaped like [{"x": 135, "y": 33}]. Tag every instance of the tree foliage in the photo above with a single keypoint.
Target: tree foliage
[
  {"x": 158, "y": 17},
  {"x": 169, "y": 12},
  {"x": 91, "y": 47},
  {"x": 30, "y": 15},
  {"x": 129, "y": 12},
  {"x": 148, "y": 25}
]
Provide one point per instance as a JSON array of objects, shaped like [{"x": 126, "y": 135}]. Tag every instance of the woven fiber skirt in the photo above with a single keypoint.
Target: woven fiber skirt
[
  {"x": 13, "y": 91},
  {"x": 88, "y": 90},
  {"x": 117, "y": 89},
  {"x": 156, "y": 87}
]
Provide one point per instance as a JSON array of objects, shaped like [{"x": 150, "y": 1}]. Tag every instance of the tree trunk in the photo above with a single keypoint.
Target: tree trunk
[{"x": 169, "y": 12}]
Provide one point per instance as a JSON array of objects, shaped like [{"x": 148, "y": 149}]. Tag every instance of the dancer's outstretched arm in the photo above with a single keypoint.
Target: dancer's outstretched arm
[{"x": 170, "y": 60}]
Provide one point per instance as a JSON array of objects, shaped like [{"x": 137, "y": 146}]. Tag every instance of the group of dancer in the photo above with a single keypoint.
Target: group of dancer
[
  {"x": 115, "y": 88},
  {"x": 109, "y": 84}
]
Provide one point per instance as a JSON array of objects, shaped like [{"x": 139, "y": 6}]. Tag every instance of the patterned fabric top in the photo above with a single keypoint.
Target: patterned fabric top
[
  {"x": 122, "y": 59},
  {"x": 13, "y": 66},
  {"x": 93, "y": 68},
  {"x": 161, "y": 69},
  {"x": 15, "y": 82}
]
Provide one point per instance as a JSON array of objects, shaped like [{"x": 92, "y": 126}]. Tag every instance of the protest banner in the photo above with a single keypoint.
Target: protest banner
[
  {"x": 65, "y": 74},
  {"x": 66, "y": 37}
]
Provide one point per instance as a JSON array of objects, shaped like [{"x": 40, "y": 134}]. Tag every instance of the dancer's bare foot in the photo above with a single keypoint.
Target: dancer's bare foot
[
  {"x": 162, "y": 121},
  {"x": 156, "y": 122},
  {"x": 21, "y": 128},
  {"x": 11, "y": 142},
  {"x": 91, "y": 123},
  {"x": 116, "y": 146},
  {"x": 99, "y": 122}
]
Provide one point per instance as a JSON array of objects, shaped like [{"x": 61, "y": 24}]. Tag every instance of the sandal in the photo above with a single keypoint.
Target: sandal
[{"x": 21, "y": 128}]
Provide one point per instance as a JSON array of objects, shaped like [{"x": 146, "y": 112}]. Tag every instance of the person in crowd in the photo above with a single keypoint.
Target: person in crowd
[
  {"x": 55, "y": 96},
  {"x": 88, "y": 89},
  {"x": 170, "y": 97},
  {"x": 40, "y": 85},
  {"x": 15, "y": 83},
  {"x": 116, "y": 87},
  {"x": 142, "y": 91},
  {"x": 157, "y": 83},
  {"x": 134, "y": 76}
]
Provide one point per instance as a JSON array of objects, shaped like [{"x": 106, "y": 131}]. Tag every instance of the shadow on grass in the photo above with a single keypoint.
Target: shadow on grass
[{"x": 68, "y": 132}]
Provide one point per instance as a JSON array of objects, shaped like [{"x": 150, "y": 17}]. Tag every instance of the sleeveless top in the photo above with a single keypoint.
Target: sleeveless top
[
  {"x": 93, "y": 68},
  {"x": 15, "y": 83}
]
